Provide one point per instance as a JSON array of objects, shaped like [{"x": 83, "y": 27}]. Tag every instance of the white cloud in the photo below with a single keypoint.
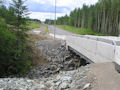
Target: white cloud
[
  {"x": 72, "y": 4},
  {"x": 67, "y": 3},
  {"x": 42, "y": 16}
]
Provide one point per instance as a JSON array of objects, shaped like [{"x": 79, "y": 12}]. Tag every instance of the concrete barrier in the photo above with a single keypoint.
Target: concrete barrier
[
  {"x": 117, "y": 55},
  {"x": 97, "y": 48}
]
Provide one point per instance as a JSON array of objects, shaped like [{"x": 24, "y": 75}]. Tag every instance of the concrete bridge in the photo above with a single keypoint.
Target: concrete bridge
[{"x": 96, "y": 49}]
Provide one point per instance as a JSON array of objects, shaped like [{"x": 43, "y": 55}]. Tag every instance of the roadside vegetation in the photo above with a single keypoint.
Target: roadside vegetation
[
  {"x": 47, "y": 30},
  {"x": 80, "y": 31},
  {"x": 33, "y": 24},
  {"x": 16, "y": 53}
]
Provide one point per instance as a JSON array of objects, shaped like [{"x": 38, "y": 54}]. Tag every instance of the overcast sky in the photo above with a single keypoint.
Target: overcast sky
[{"x": 44, "y": 9}]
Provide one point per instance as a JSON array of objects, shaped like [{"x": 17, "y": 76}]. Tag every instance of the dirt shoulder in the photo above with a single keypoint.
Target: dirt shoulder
[
  {"x": 107, "y": 78},
  {"x": 35, "y": 36}
]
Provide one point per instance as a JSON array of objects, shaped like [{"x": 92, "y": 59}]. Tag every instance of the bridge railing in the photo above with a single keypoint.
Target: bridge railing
[{"x": 98, "y": 49}]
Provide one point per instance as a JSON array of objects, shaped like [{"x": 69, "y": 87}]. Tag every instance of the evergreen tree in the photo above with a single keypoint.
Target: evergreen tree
[
  {"x": 20, "y": 11},
  {"x": 103, "y": 17}
]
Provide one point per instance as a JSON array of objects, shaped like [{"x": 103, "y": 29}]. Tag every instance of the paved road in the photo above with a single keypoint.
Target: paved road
[{"x": 59, "y": 31}]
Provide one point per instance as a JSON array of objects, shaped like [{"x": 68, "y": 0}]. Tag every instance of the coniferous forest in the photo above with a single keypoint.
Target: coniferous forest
[{"x": 103, "y": 17}]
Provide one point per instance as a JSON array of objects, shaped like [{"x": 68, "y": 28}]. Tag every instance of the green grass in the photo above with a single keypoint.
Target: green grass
[
  {"x": 33, "y": 24},
  {"x": 47, "y": 30},
  {"x": 81, "y": 31}
]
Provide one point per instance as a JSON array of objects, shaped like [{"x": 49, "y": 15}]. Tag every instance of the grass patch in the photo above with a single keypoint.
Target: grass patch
[
  {"x": 33, "y": 24},
  {"x": 81, "y": 31},
  {"x": 47, "y": 30}
]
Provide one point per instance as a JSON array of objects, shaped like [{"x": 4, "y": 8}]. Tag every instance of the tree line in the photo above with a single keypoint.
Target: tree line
[
  {"x": 103, "y": 17},
  {"x": 49, "y": 21}
]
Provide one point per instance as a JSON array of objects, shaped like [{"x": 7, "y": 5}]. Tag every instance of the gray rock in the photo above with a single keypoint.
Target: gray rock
[
  {"x": 64, "y": 85},
  {"x": 58, "y": 83},
  {"x": 53, "y": 88},
  {"x": 86, "y": 86},
  {"x": 42, "y": 86},
  {"x": 66, "y": 78}
]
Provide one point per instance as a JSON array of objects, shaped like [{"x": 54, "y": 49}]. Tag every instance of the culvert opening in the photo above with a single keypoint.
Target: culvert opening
[
  {"x": 77, "y": 59},
  {"x": 84, "y": 62},
  {"x": 74, "y": 61}
]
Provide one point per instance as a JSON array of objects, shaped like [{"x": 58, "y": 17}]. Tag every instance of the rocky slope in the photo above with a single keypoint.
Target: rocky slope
[
  {"x": 65, "y": 80},
  {"x": 59, "y": 59},
  {"x": 64, "y": 71}
]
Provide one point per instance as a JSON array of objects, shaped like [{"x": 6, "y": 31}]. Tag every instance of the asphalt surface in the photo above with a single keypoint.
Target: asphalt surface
[{"x": 59, "y": 31}]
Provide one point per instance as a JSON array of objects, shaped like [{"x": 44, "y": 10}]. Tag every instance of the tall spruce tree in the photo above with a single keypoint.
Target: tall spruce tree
[{"x": 20, "y": 11}]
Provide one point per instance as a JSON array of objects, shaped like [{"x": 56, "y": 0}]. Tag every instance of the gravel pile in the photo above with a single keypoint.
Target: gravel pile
[
  {"x": 54, "y": 50},
  {"x": 65, "y": 80},
  {"x": 59, "y": 59}
]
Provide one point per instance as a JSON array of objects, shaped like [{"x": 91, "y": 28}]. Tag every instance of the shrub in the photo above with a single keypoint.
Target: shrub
[
  {"x": 2, "y": 23},
  {"x": 47, "y": 30},
  {"x": 14, "y": 52}
]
